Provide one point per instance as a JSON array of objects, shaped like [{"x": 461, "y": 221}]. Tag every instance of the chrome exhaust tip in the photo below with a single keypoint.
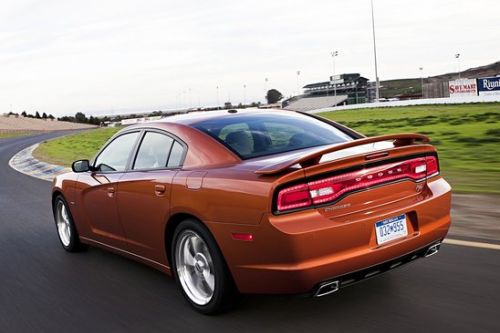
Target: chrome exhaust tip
[
  {"x": 327, "y": 288},
  {"x": 432, "y": 250}
]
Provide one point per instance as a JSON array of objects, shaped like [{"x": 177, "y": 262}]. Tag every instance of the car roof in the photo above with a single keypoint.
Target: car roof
[{"x": 198, "y": 116}]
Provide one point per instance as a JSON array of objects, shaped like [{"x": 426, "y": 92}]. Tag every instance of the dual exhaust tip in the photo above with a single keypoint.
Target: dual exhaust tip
[
  {"x": 330, "y": 287},
  {"x": 432, "y": 250},
  {"x": 327, "y": 288}
]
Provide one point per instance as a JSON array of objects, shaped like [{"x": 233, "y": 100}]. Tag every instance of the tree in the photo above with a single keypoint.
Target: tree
[
  {"x": 24, "y": 114},
  {"x": 37, "y": 115},
  {"x": 51, "y": 117},
  {"x": 80, "y": 117},
  {"x": 155, "y": 114},
  {"x": 273, "y": 96},
  {"x": 94, "y": 120},
  {"x": 44, "y": 116}
]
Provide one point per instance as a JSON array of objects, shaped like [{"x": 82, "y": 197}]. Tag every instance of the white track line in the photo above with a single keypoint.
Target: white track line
[{"x": 472, "y": 244}]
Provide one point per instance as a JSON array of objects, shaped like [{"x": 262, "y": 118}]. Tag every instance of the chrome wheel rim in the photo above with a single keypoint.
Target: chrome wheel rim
[
  {"x": 63, "y": 223},
  {"x": 195, "y": 267}
]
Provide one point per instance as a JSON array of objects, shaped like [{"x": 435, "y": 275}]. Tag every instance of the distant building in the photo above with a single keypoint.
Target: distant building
[
  {"x": 339, "y": 90},
  {"x": 353, "y": 86}
]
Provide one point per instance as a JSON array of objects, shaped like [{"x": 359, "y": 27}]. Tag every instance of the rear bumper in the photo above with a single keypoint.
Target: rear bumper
[
  {"x": 295, "y": 253},
  {"x": 332, "y": 285}
]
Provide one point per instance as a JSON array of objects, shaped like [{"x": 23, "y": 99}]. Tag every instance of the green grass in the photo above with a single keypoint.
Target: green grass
[
  {"x": 467, "y": 137},
  {"x": 65, "y": 150}
]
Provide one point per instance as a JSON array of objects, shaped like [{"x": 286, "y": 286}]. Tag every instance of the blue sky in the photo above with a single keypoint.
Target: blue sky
[{"x": 110, "y": 56}]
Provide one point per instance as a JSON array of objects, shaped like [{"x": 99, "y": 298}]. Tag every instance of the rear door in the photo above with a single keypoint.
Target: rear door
[{"x": 143, "y": 195}]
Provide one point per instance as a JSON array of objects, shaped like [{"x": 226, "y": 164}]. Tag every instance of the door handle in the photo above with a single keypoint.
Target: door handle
[
  {"x": 160, "y": 189},
  {"x": 111, "y": 192}
]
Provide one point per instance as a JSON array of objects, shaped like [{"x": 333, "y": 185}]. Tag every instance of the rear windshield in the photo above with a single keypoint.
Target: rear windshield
[{"x": 254, "y": 135}]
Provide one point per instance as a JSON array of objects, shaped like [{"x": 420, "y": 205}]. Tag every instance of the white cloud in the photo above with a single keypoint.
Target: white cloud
[{"x": 97, "y": 56}]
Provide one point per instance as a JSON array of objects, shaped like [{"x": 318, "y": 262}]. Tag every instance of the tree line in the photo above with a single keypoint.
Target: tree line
[
  {"x": 35, "y": 116},
  {"x": 80, "y": 117},
  {"x": 272, "y": 96}
]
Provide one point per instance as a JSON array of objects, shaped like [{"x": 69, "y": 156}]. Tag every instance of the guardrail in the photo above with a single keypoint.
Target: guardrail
[{"x": 423, "y": 101}]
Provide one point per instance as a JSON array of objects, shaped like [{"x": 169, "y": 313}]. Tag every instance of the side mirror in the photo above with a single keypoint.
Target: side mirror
[{"x": 81, "y": 166}]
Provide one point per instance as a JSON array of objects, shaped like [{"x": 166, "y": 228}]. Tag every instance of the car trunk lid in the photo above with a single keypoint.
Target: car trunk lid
[{"x": 335, "y": 179}]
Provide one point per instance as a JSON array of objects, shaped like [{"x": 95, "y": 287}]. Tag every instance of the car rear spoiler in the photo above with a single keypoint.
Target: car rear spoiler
[{"x": 314, "y": 157}]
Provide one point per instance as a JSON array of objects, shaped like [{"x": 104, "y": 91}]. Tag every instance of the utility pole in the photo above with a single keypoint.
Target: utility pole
[
  {"x": 377, "y": 83},
  {"x": 298, "y": 89}
]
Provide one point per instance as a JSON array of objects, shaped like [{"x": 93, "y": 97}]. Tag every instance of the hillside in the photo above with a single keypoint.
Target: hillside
[
  {"x": 476, "y": 72},
  {"x": 13, "y": 124},
  {"x": 412, "y": 86}
]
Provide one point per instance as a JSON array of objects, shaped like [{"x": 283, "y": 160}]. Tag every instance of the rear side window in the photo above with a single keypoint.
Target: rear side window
[
  {"x": 153, "y": 152},
  {"x": 254, "y": 135},
  {"x": 159, "y": 151},
  {"x": 116, "y": 154},
  {"x": 176, "y": 155}
]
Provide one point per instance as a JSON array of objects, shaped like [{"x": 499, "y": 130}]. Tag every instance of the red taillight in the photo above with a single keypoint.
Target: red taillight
[
  {"x": 294, "y": 197},
  {"x": 432, "y": 165},
  {"x": 330, "y": 189}
]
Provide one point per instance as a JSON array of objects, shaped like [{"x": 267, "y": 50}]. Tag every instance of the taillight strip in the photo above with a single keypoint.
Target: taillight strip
[{"x": 331, "y": 188}]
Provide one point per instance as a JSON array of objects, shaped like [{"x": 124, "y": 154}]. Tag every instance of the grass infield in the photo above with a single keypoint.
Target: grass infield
[{"x": 65, "y": 150}]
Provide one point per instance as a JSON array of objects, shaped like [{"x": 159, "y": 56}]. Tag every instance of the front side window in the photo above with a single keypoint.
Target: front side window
[
  {"x": 154, "y": 151},
  {"x": 115, "y": 156}
]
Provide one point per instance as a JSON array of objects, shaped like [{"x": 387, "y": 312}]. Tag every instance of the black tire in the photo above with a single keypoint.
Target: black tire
[
  {"x": 71, "y": 243},
  {"x": 224, "y": 292}
]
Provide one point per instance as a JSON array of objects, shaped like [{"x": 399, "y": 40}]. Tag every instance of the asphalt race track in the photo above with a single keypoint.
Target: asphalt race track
[{"x": 45, "y": 289}]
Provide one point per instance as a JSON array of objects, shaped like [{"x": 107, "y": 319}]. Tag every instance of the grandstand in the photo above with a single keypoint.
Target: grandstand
[
  {"x": 339, "y": 90},
  {"x": 314, "y": 103}
]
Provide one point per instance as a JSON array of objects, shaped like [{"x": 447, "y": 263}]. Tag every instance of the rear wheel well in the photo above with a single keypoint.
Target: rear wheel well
[{"x": 172, "y": 223}]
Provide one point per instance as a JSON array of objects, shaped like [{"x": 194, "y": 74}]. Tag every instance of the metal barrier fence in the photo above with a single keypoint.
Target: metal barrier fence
[{"x": 424, "y": 101}]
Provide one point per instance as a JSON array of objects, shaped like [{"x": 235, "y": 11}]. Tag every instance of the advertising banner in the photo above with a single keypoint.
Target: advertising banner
[
  {"x": 463, "y": 87},
  {"x": 489, "y": 86}
]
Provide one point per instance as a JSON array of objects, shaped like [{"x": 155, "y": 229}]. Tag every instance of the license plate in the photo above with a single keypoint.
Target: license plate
[{"x": 391, "y": 229}]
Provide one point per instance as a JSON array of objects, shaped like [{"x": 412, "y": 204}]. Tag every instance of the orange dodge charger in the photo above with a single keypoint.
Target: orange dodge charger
[{"x": 256, "y": 201}]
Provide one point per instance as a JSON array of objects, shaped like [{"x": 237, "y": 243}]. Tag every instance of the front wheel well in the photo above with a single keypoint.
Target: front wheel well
[{"x": 55, "y": 194}]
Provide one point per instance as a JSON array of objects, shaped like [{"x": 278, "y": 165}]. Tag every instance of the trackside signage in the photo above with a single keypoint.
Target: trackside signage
[
  {"x": 489, "y": 86},
  {"x": 463, "y": 87}
]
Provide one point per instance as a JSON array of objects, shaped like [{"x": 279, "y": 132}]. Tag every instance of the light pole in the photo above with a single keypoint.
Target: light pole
[
  {"x": 244, "y": 95},
  {"x": 421, "y": 80},
  {"x": 298, "y": 89},
  {"x": 266, "y": 80},
  {"x": 334, "y": 54},
  {"x": 218, "y": 104},
  {"x": 457, "y": 56},
  {"x": 377, "y": 83}
]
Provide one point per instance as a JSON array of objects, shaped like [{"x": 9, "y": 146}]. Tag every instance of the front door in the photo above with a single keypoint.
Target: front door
[{"x": 98, "y": 190}]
